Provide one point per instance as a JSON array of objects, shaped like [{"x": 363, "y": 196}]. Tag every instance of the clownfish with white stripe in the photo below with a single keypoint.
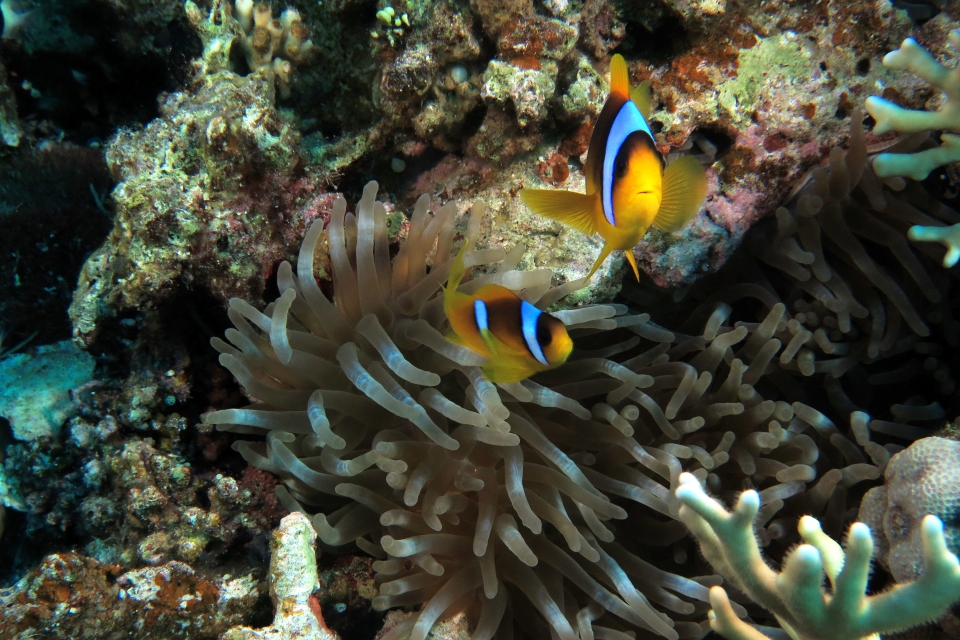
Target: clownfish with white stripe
[
  {"x": 629, "y": 188},
  {"x": 518, "y": 339}
]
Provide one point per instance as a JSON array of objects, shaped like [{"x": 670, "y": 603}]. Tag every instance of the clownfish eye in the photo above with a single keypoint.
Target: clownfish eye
[
  {"x": 544, "y": 336},
  {"x": 620, "y": 167}
]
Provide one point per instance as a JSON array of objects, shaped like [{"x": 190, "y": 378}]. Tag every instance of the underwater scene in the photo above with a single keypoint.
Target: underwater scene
[{"x": 480, "y": 319}]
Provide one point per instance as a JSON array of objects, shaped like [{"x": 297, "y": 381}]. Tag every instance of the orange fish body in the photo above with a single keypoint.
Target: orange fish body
[
  {"x": 629, "y": 188},
  {"x": 518, "y": 339}
]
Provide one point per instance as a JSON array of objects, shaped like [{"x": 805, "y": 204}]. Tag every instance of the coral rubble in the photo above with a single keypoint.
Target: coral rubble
[
  {"x": 35, "y": 398},
  {"x": 72, "y": 596},
  {"x": 293, "y": 580}
]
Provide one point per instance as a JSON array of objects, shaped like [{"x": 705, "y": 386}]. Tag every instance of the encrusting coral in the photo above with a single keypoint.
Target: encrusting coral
[
  {"x": 474, "y": 496},
  {"x": 921, "y": 480}
]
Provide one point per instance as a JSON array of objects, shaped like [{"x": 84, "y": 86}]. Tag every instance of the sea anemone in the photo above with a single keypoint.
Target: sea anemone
[
  {"x": 457, "y": 485},
  {"x": 478, "y": 497}
]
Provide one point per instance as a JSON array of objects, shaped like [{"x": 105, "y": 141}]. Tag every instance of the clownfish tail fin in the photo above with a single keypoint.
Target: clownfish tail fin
[
  {"x": 684, "y": 192},
  {"x": 573, "y": 209}
]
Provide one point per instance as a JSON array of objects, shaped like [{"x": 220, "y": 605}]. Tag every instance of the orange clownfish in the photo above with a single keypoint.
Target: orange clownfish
[
  {"x": 518, "y": 339},
  {"x": 628, "y": 188}
]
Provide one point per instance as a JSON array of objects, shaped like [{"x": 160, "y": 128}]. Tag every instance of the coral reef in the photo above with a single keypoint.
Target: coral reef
[
  {"x": 271, "y": 45},
  {"x": 800, "y": 370},
  {"x": 212, "y": 210},
  {"x": 375, "y": 448},
  {"x": 129, "y": 500},
  {"x": 524, "y": 73},
  {"x": 891, "y": 117}
]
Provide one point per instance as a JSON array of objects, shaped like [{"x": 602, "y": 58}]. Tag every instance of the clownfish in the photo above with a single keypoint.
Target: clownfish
[
  {"x": 628, "y": 186},
  {"x": 518, "y": 339}
]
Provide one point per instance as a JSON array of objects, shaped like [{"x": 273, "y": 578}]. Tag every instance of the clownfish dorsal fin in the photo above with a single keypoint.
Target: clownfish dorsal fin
[
  {"x": 684, "y": 192},
  {"x": 458, "y": 270},
  {"x": 619, "y": 77},
  {"x": 642, "y": 96}
]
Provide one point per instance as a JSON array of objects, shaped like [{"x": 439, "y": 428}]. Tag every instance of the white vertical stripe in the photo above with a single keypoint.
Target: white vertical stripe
[
  {"x": 480, "y": 314},
  {"x": 529, "y": 315}
]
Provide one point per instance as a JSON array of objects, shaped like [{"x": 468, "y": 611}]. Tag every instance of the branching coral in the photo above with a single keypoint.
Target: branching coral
[
  {"x": 275, "y": 43},
  {"x": 272, "y": 45},
  {"x": 476, "y": 497},
  {"x": 890, "y": 117},
  {"x": 949, "y": 237},
  {"x": 795, "y": 594}
]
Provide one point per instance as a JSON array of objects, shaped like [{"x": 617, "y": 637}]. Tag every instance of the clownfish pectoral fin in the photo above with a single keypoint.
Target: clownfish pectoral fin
[
  {"x": 633, "y": 262},
  {"x": 507, "y": 370},
  {"x": 619, "y": 77},
  {"x": 604, "y": 252},
  {"x": 684, "y": 192},
  {"x": 642, "y": 96},
  {"x": 574, "y": 209},
  {"x": 491, "y": 341},
  {"x": 456, "y": 339}
]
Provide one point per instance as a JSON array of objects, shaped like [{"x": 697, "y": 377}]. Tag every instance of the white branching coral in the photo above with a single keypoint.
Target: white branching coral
[
  {"x": 270, "y": 45},
  {"x": 891, "y": 117},
  {"x": 796, "y": 595},
  {"x": 274, "y": 43}
]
